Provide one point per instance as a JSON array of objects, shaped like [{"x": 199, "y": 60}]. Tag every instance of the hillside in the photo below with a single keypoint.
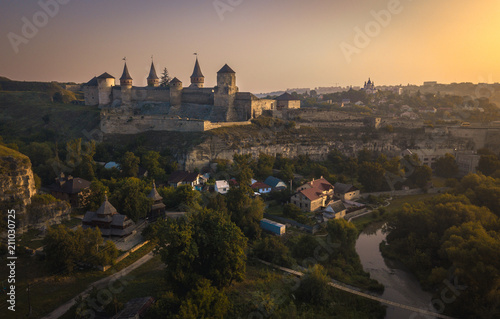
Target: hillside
[
  {"x": 2, "y": 78},
  {"x": 34, "y": 116}
]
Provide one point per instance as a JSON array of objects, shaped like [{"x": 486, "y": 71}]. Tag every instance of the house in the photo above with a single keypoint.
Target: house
[
  {"x": 108, "y": 220},
  {"x": 314, "y": 195},
  {"x": 345, "y": 102},
  {"x": 287, "y": 101},
  {"x": 135, "y": 308},
  {"x": 346, "y": 191},
  {"x": 179, "y": 178},
  {"x": 260, "y": 187},
  {"x": 221, "y": 187},
  {"x": 336, "y": 209},
  {"x": 275, "y": 183},
  {"x": 157, "y": 208},
  {"x": 69, "y": 188}
]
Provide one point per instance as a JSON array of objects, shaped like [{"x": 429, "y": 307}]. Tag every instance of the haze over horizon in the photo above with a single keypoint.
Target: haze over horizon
[{"x": 272, "y": 45}]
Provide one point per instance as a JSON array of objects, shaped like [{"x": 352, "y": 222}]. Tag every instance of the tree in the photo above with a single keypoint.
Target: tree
[
  {"x": 265, "y": 165},
  {"x": 273, "y": 250},
  {"x": 165, "y": 78},
  {"x": 129, "y": 199},
  {"x": 80, "y": 157},
  {"x": 245, "y": 212},
  {"x": 471, "y": 249},
  {"x": 314, "y": 287},
  {"x": 421, "y": 176},
  {"x": 151, "y": 162},
  {"x": 446, "y": 166},
  {"x": 130, "y": 164},
  {"x": 488, "y": 164},
  {"x": 92, "y": 198},
  {"x": 371, "y": 176},
  {"x": 204, "y": 245},
  {"x": 365, "y": 155},
  {"x": 204, "y": 302},
  {"x": 64, "y": 248}
]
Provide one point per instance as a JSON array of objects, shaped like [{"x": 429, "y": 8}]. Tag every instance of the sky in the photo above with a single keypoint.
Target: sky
[{"x": 271, "y": 44}]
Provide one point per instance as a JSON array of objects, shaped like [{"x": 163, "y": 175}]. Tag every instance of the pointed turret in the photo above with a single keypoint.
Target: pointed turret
[
  {"x": 153, "y": 79},
  {"x": 197, "y": 78},
  {"x": 126, "y": 79}
]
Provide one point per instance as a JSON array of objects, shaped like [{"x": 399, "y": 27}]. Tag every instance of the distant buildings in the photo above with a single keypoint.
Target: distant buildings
[
  {"x": 195, "y": 180},
  {"x": 369, "y": 87},
  {"x": 428, "y": 156},
  {"x": 287, "y": 101},
  {"x": 467, "y": 162}
]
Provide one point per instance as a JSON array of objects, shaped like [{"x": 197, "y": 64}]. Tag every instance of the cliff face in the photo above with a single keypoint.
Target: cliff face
[{"x": 17, "y": 184}]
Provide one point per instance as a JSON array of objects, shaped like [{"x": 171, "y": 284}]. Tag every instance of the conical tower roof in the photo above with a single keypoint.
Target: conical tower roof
[
  {"x": 152, "y": 73},
  {"x": 197, "y": 70},
  {"x": 154, "y": 194},
  {"x": 226, "y": 69},
  {"x": 125, "y": 75},
  {"x": 106, "y": 208}
]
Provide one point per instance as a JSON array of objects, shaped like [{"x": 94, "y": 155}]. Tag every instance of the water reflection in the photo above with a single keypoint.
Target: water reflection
[{"x": 400, "y": 285}]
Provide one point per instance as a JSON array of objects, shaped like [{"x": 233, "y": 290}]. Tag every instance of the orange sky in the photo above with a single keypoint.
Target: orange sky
[{"x": 271, "y": 44}]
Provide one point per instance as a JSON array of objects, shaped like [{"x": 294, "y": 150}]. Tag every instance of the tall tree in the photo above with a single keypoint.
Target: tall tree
[
  {"x": 129, "y": 198},
  {"x": 130, "y": 165},
  {"x": 165, "y": 78},
  {"x": 446, "y": 166},
  {"x": 204, "y": 245},
  {"x": 371, "y": 176},
  {"x": 151, "y": 162}
]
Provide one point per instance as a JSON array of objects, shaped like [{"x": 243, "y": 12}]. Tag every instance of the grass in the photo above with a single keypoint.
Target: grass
[
  {"x": 73, "y": 222},
  {"x": 147, "y": 280},
  {"x": 49, "y": 290},
  {"x": 33, "y": 116},
  {"x": 396, "y": 205}
]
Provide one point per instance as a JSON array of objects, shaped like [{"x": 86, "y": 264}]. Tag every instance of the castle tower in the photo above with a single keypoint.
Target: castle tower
[
  {"x": 175, "y": 92},
  {"x": 126, "y": 87},
  {"x": 197, "y": 78},
  {"x": 105, "y": 84},
  {"x": 153, "y": 80},
  {"x": 225, "y": 94},
  {"x": 126, "y": 79}
]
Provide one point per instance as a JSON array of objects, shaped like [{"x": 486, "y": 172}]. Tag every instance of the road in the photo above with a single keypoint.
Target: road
[{"x": 61, "y": 310}]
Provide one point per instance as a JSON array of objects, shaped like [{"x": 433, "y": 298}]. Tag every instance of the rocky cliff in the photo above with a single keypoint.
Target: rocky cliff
[{"x": 17, "y": 184}]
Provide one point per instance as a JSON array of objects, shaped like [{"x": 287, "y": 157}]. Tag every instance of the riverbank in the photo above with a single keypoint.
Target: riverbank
[{"x": 400, "y": 285}]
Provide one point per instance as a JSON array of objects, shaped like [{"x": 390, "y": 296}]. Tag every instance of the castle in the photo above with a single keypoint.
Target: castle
[{"x": 127, "y": 109}]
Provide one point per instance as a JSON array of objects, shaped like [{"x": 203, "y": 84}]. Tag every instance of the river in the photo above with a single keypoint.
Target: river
[{"x": 400, "y": 285}]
